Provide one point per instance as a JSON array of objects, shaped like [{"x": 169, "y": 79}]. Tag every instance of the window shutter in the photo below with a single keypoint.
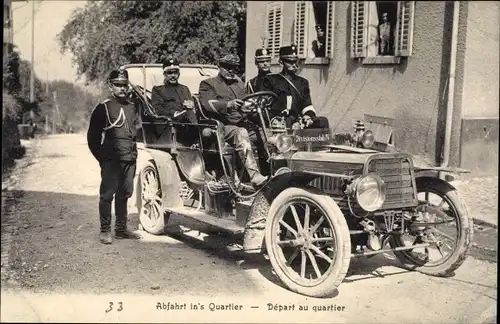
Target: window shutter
[
  {"x": 274, "y": 27},
  {"x": 299, "y": 27},
  {"x": 404, "y": 28},
  {"x": 330, "y": 28},
  {"x": 358, "y": 28}
]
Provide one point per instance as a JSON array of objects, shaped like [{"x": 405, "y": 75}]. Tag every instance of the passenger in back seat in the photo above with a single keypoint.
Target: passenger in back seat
[{"x": 173, "y": 99}]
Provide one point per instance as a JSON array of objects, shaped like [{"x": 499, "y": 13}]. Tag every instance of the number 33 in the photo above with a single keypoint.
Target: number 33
[{"x": 120, "y": 307}]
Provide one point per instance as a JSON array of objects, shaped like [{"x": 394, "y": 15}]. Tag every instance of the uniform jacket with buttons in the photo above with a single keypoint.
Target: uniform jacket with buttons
[
  {"x": 168, "y": 98},
  {"x": 112, "y": 130},
  {"x": 255, "y": 84},
  {"x": 222, "y": 92},
  {"x": 301, "y": 104}
]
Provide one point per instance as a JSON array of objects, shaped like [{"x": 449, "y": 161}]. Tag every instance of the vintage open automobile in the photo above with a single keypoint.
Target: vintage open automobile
[{"x": 329, "y": 198}]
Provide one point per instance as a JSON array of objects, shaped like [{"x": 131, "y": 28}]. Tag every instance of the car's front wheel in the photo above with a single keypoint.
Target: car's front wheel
[
  {"x": 449, "y": 232},
  {"x": 308, "y": 242},
  {"x": 151, "y": 213}
]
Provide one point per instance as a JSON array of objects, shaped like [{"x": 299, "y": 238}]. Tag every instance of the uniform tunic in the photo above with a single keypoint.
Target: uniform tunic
[
  {"x": 255, "y": 84},
  {"x": 167, "y": 99},
  {"x": 223, "y": 91},
  {"x": 301, "y": 103},
  {"x": 118, "y": 142}
]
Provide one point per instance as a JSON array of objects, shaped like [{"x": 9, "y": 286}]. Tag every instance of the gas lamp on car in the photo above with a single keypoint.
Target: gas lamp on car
[{"x": 362, "y": 137}]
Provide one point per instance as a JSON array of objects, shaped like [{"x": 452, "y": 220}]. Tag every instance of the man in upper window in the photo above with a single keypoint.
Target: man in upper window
[
  {"x": 318, "y": 45},
  {"x": 294, "y": 96},
  {"x": 263, "y": 63},
  {"x": 384, "y": 31},
  {"x": 172, "y": 99},
  {"x": 221, "y": 96}
]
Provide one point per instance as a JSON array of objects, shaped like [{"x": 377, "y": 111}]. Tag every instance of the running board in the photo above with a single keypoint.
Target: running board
[{"x": 185, "y": 216}]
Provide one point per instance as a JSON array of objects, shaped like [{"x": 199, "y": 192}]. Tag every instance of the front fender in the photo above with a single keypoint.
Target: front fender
[
  {"x": 285, "y": 180},
  {"x": 446, "y": 173},
  {"x": 433, "y": 181}
]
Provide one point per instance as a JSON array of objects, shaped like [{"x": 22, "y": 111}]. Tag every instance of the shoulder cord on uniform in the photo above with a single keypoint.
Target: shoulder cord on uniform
[
  {"x": 250, "y": 86},
  {"x": 121, "y": 117}
]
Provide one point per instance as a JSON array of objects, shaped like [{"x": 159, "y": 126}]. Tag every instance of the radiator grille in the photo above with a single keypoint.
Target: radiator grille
[{"x": 397, "y": 176}]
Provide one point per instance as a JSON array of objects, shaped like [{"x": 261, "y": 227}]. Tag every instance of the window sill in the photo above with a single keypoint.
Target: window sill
[
  {"x": 381, "y": 60},
  {"x": 308, "y": 61},
  {"x": 316, "y": 61}
]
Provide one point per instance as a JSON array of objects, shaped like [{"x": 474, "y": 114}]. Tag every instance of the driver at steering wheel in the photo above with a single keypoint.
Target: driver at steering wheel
[
  {"x": 172, "y": 99},
  {"x": 221, "y": 95}
]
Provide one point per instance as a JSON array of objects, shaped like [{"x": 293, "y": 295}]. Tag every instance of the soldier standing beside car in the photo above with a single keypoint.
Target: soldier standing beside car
[
  {"x": 263, "y": 63},
  {"x": 111, "y": 139},
  {"x": 294, "y": 95},
  {"x": 172, "y": 99}
]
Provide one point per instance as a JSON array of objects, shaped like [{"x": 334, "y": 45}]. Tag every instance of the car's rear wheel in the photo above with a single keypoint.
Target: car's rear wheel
[
  {"x": 308, "y": 243},
  {"x": 151, "y": 213}
]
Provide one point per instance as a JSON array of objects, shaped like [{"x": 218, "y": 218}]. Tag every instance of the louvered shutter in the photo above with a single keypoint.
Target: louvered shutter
[
  {"x": 358, "y": 14},
  {"x": 404, "y": 28},
  {"x": 299, "y": 27},
  {"x": 330, "y": 28},
  {"x": 274, "y": 27}
]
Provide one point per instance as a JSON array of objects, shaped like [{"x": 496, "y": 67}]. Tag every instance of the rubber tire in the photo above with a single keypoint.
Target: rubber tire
[
  {"x": 464, "y": 243},
  {"x": 159, "y": 227},
  {"x": 329, "y": 286}
]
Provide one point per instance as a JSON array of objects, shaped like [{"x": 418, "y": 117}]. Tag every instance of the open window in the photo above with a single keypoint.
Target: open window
[
  {"x": 381, "y": 31},
  {"x": 314, "y": 29},
  {"x": 274, "y": 27}
]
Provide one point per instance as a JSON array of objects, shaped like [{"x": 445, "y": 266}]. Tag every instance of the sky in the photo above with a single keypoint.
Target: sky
[{"x": 50, "y": 17}]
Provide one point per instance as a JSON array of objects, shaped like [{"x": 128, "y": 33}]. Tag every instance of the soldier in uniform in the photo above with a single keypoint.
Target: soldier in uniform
[
  {"x": 263, "y": 63},
  {"x": 111, "y": 139},
  {"x": 172, "y": 99},
  {"x": 294, "y": 96},
  {"x": 221, "y": 96}
]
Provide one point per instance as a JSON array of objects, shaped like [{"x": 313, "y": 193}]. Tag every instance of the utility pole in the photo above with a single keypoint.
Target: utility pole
[
  {"x": 54, "y": 94},
  {"x": 32, "y": 79}
]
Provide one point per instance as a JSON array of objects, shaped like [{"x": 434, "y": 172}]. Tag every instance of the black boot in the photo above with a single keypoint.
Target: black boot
[
  {"x": 121, "y": 231},
  {"x": 126, "y": 234},
  {"x": 256, "y": 178},
  {"x": 105, "y": 238}
]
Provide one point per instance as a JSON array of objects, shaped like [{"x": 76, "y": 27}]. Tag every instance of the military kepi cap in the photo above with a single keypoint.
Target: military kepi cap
[
  {"x": 171, "y": 64},
  {"x": 229, "y": 60},
  {"x": 262, "y": 54},
  {"x": 118, "y": 76},
  {"x": 288, "y": 52}
]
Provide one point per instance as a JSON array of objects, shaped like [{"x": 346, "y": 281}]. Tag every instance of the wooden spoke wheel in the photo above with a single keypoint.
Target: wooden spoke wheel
[
  {"x": 151, "y": 211},
  {"x": 308, "y": 242},
  {"x": 445, "y": 225}
]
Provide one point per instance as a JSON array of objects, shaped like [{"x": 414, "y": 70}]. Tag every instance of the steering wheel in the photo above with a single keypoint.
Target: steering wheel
[{"x": 261, "y": 98}]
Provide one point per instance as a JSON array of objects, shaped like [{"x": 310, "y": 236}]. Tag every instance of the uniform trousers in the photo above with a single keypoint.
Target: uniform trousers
[{"x": 117, "y": 180}]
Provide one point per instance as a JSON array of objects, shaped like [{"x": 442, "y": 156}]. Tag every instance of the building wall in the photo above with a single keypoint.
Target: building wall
[
  {"x": 480, "y": 107},
  {"x": 413, "y": 92}
]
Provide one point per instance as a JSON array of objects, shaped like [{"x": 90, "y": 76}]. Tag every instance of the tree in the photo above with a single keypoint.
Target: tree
[
  {"x": 74, "y": 104},
  {"x": 104, "y": 35},
  {"x": 16, "y": 82}
]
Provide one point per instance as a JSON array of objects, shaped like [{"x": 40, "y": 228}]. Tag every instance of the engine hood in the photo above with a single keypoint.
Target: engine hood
[{"x": 336, "y": 162}]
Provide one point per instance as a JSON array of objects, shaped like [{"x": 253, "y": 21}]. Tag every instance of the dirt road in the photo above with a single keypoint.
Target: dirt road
[{"x": 55, "y": 269}]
